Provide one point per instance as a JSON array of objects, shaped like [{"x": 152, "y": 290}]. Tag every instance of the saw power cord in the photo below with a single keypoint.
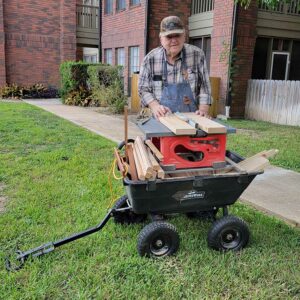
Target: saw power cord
[{"x": 112, "y": 172}]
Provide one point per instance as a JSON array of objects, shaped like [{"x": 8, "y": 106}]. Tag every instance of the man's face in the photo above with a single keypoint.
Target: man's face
[{"x": 173, "y": 43}]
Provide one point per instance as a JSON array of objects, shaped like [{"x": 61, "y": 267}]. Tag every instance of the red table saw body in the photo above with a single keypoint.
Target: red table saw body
[{"x": 192, "y": 152}]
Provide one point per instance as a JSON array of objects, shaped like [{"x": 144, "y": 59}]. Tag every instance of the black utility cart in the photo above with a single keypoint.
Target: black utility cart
[{"x": 197, "y": 196}]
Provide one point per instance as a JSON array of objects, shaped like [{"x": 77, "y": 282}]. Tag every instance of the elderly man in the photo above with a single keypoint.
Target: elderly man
[{"x": 174, "y": 76}]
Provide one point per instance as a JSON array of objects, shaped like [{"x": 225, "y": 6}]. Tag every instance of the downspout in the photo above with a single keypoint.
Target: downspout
[
  {"x": 233, "y": 42},
  {"x": 100, "y": 31},
  {"x": 147, "y": 17}
]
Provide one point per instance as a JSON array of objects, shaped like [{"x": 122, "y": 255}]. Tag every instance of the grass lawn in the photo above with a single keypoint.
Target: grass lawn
[{"x": 54, "y": 177}]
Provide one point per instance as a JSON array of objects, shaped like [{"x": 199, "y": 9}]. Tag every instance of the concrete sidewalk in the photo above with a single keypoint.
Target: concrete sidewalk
[{"x": 276, "y": 192}]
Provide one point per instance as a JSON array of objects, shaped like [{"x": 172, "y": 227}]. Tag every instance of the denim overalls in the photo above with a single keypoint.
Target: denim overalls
[{"x": 178, "y": 96}]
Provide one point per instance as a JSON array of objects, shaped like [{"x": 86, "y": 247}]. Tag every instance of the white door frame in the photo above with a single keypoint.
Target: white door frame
[{"x": 287, "y": 62}]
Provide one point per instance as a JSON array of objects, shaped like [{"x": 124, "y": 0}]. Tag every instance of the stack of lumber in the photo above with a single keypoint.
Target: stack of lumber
[
  {"x": 143, "y": 160},
  {"x": 143, "y": 163}
]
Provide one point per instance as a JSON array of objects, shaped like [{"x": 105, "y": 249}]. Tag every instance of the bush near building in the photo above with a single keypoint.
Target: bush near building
[
  {"x": 86, "y": 84},
  {"x": 14, "y": 91}
]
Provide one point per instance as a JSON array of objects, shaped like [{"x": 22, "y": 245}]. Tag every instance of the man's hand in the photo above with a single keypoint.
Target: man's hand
[
  {"x": 158, "y": 110},
  {"x": 203, "y": 110}
]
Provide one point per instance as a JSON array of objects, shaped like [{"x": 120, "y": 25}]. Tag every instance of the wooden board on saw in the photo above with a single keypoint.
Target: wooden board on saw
[
  {"x": 177, "y": 126},
  {"x": 206, "y": 124}
]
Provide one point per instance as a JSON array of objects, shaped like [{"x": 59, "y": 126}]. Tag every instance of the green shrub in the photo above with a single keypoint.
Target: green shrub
[
  {"x": 80, "y": 97},
  {"x": 37, "y": 90},
  {"x": 86, "y": 84},
  {"x": 73, "y": 77},
  {"x": 106, "y": 85},
  {"x": 11, "y": 91}
]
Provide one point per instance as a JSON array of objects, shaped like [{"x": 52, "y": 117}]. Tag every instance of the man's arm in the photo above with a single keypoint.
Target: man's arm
[
  {"x": 145, "y": 89},
  {"x": 204, "y": 97}
]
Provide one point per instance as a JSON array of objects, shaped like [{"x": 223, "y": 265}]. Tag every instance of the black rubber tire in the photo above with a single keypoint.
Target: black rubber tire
[
  {"x": 158, "y": 239},
  {"x": 228, "y": 233},
  {"x": 128, "y": 216}
]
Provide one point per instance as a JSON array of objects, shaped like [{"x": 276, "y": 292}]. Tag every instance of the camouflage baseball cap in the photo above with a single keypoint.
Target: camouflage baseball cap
[{"x": 171, "y": 25}]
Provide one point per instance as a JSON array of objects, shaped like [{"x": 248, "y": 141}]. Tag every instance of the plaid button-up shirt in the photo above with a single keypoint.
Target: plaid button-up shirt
[{"x": 151, "y": 74}]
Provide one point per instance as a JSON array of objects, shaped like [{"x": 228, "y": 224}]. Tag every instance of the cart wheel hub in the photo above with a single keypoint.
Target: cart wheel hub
[
  {"x": 159, "y": 243},
  {"x": 229, "y": 237},
  {"x": 160, "y": 247}
]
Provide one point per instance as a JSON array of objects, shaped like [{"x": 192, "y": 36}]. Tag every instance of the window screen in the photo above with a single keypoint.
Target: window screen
[
  {"x": 121, "y": 4},
  {"x": 108, "y": 7},
  {"x": 121, "y": 56},
  {"x": 108, "y": 56},
  {"x": 133, "y": 59}
]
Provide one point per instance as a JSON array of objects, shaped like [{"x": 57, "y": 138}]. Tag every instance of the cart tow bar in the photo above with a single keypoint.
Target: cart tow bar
[{"x": 16, "y": 261}]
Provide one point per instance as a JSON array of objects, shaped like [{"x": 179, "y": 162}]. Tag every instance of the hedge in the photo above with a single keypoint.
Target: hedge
[{"x": 86, "y": 84}]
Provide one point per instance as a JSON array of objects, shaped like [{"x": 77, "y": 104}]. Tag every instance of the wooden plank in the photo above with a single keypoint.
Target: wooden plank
[
  {"x": 177, "y": 126},
  {"x": 126, "y": 130},
  {"x": 143, "y": 157},
  {"x": 234, "y": 165},
  {"x": 154, "y": 163},
  {"x": 160, "y": 172},
  {"x": 132, "y": 166},
  {"x": 267, "y": 153},
  {"x": 154, "y": 150},
  {"x": 139, "y": 170},
  {"x": 254, "y": 163},
  {"x": 119, "y": 161},
  {"x": 200, "y": 171},
  {"x": 206, "y": 124}
]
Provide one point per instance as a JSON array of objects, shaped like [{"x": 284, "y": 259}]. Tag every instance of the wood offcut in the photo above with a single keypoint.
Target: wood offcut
[
  {"x": 205, "y": 124},
  {"x": 177, "y": 126}
]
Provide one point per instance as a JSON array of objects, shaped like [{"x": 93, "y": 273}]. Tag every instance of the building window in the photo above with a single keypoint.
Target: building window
[
  {"x": 120, "y": 56},
  {"x": 204, "y": 43},
  {"x": 91, "y": 2},
  {"x": 133, "y": 60},
  {"x": 276, "y": 59},
  {"x": 90, "y": 58},
  {"x": 108, "y": 7},
  {"x": 108, "y": 56},
  {"x": 135, "y": 2},
  {"x": 121, "y": 5}
]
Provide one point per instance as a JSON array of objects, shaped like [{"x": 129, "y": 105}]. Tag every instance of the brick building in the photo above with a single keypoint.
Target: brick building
[{"x": 36, "y": 37}]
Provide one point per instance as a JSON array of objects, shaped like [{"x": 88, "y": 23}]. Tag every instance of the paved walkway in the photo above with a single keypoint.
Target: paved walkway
[{"x": 276, "y": 192}]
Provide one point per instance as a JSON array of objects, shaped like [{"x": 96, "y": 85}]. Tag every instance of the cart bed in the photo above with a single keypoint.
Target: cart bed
[{"x": 187, "y": 194}]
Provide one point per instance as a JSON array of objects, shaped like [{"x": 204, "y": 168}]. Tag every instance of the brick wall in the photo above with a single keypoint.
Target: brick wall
[
  {"x": 79, "y": 53},
  {"x": 124, "y": 29},
  {"x": 2, "y": 48},
  {"x": 39, "y": 35},
  {"x": 220, "y": 41},
  {"x": 161, "y": 9},
  {"x": 246, "y": 36}
]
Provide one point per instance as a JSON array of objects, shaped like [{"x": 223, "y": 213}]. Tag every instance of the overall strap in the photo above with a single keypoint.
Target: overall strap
[
  {"x": 164, "y": 69},
  {"x": 183, "y": 67}
]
